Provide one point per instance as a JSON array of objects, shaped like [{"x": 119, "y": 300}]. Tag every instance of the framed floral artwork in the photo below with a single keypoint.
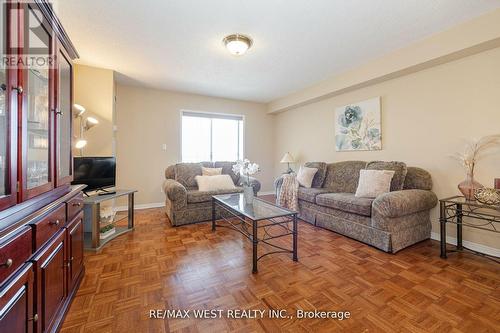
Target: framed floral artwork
[{"x": 358, "y": 127}]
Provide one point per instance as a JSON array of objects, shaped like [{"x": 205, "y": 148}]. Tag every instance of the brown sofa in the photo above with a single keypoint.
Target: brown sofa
[
  {"x": 184, "y": 202},
  {"x": 390, "y": 222}
]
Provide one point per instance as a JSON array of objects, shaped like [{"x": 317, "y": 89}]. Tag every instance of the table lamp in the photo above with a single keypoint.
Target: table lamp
[{"x": 288, "y": 158}]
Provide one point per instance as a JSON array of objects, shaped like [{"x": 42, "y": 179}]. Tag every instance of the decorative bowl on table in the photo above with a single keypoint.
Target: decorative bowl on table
[{"x": 487, "y": 196}]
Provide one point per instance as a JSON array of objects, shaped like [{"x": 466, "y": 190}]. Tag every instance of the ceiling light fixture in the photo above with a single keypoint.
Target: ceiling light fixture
[{"x": 237, "y": 44}]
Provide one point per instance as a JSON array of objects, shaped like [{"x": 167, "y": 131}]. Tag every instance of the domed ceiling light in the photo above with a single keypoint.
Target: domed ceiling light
[{"x": 237, "y": 44}]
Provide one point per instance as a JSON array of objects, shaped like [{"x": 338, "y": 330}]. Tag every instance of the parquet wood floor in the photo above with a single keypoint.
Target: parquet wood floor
[{"x": 161, "y": 267}]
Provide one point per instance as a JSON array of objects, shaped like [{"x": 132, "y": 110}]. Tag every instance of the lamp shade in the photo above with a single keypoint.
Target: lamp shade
[
  {"x": 287, "y": 158},
  {"x": 80, "y": 144},
  {"x": 79, "y": 110},
  {"x": 90, "y": 122}
]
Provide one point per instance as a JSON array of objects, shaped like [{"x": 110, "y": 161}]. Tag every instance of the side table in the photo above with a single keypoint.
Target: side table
[
  {"x": 453, "y": 210},
  {"x": 92, "y": 218}
]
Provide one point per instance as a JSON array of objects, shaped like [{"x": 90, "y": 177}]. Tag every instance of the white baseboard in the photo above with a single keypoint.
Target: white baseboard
[
  {"x": 141, "y": 206},
  {"x": 162, "y": 204},
  {"x": 473, "y": 246}
]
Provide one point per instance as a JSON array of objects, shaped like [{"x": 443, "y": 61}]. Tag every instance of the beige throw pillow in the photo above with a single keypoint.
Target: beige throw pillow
[
  {"x": 211, "y": 171},
  {"x": 214, "y": 183},
  {"x": 305, "y": 176},
  {"x": 373, "y": 183}
]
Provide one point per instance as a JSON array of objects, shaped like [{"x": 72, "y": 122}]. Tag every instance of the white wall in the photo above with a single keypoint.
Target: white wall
[
  {"x": 147, "y": 118},
  {"x": 425, "y": 117},
  {"x": 94, "y": 89}
]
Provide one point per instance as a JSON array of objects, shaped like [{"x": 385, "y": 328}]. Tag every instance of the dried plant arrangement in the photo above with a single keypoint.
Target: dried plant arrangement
[{"x": 474, "y": 150}]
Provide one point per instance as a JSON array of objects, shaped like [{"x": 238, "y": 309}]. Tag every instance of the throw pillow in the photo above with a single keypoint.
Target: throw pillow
[
  {"x": 211, "y": 171},
  {"x": 305, "y": 176},
  {"x": 319, "y": 177},
  {"x": 214, "y": 183},
  {"x": 373, "y": 183},
  {"x": 399, "y": 169},
  {"x": 227, "y": 169}
]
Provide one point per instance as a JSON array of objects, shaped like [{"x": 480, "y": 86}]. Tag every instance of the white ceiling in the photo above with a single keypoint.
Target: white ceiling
[{"x": 177, "y": 44}]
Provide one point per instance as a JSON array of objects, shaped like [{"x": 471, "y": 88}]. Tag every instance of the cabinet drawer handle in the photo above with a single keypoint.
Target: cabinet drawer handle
[
  {"x": 72, "y": 258},
  {"x": 77, "y": 204},
  {"x": 56, "y": 222},
  {"x": 35, "y": 318},
  {"x": 18, "y": 89},
  {"x": 7, "y": 263}
]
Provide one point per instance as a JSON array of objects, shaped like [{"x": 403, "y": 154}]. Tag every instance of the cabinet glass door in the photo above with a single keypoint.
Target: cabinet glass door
[
  {"x": 8, "y": 110},
  {"x": 4, "y": 131},
  {"x": 63, "y": 120},
  {"x": 37, "y": 116}
]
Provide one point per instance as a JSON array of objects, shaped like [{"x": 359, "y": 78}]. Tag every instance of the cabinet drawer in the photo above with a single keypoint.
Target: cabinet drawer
[
  {"x": 16, "y": 302},
  {"x": 49, "y": 225},
  {"x": 74, "y": 206},
  {"x": 15, "y": 250},
  {"x": 50, "y": 275}
]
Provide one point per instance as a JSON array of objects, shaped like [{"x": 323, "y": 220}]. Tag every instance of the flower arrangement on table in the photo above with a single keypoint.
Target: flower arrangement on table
[
  {"x": 246, "y": 169},
  {"x": 469, "y": 158}
]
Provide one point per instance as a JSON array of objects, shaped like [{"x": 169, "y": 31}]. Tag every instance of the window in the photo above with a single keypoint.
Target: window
[{"x": 211, "y": 137}]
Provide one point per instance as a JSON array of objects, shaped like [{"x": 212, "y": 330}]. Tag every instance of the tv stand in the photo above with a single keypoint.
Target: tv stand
[
  {"x": 92, "y": 218},
  {"x": 104, "y": 192}
]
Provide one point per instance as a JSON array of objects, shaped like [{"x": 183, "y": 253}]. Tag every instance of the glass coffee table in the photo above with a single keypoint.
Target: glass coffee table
[{"x": 249, "y": 218}]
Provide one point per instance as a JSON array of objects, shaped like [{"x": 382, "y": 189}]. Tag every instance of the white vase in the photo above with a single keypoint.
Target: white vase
[{"x": 248, "y": 194}]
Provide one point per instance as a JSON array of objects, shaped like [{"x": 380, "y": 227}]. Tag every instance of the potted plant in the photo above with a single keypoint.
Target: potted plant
[
  {"x": 469, "y": 158},
  {"x": 106, "y": 231},
  {"x": 246, "y": 168}
]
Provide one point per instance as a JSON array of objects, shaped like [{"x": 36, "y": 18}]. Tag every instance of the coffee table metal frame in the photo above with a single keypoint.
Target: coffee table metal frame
[{"x": 244, "y": 222}]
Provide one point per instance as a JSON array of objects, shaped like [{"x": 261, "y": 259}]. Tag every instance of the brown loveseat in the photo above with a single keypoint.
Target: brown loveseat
[
  {"x": 184, "y": 202},
  {"x": 390, "y": 222}
]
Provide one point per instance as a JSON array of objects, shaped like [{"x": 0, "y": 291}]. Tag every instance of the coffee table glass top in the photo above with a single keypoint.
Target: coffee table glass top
[{"x": 257, "y": 210}]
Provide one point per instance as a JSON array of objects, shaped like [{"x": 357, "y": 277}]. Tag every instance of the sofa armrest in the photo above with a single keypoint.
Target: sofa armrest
[
  {"x": 405, "y": 202},
  {"x": 254, "y": 182},
  {"x": 176, "y": 193}
]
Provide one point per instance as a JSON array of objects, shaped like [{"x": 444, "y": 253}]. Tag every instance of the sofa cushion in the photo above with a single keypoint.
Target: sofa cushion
[
  {"x": 185, "y": 173},
  {"x": 399, "y": 169},
  {"x": 227, "y": 169},
  {"x": 195, "y": 196},
  {"x": 417, "y": 179},
  {"x": 346, "y": 202},
  {"x": 343, "y": 176},
  {"x": 309, "y": 194},
  {"x": 319, "y": 177},
  {"x": 170, "y": 172}
]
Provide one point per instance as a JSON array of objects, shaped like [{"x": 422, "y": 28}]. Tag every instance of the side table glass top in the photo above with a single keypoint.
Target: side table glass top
[{"x": 462, "y": 201}]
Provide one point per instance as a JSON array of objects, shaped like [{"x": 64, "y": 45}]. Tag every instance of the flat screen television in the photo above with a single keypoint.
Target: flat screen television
[{"x": 95, "y": 172}]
